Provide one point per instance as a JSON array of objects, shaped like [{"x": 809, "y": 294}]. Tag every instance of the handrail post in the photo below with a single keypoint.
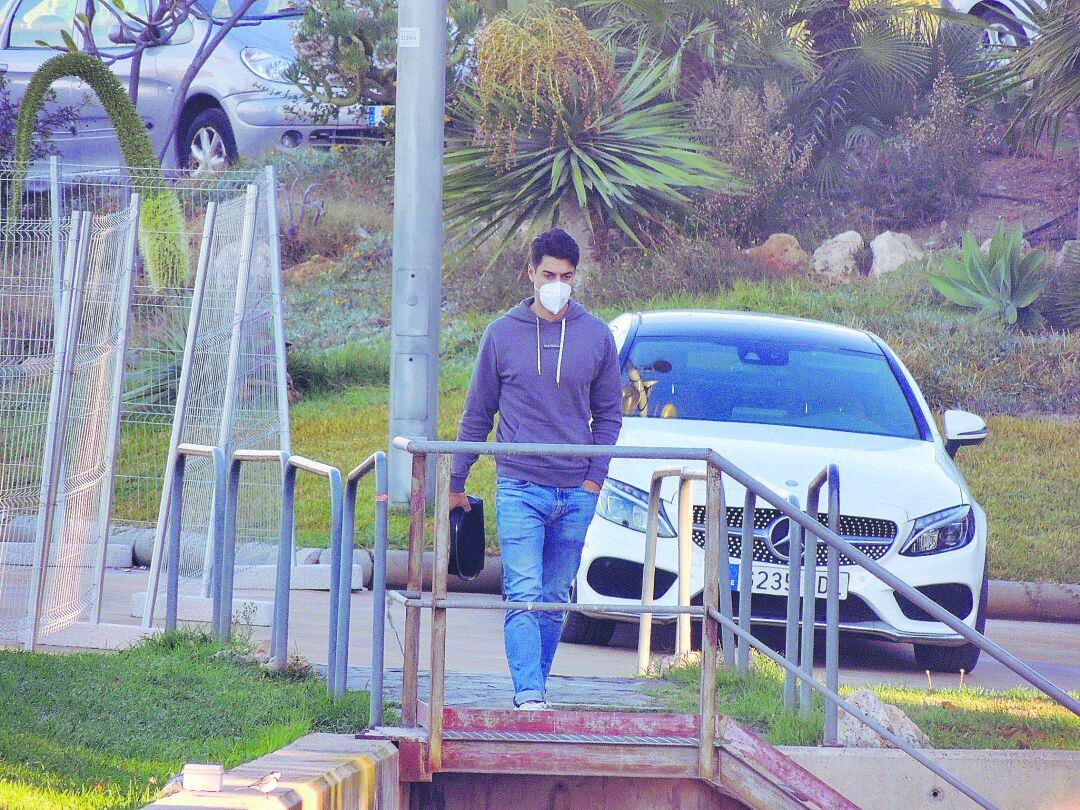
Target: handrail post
[
  {"x": 809, "y": 610},
  {"x": 714, "y": 512},
  {"x": 414, "y": 583},
  {"x": 217, "y": 545},
  {"x": 791, "y": 629},
  {"x": 176, "y": 513},
  {"x": 685, "y": 531},
  {"x": 382, "y": 498},
  {"x": 340, "y": 588},
  {"x": 440, "y": 562},
  {"x": 279, "y": 637},
  {"x": 228, "y": 554},
  {"x": 746, "y": 572},
  {"x": 648, "y": 576},
  {"x": 832, "y": 609}
]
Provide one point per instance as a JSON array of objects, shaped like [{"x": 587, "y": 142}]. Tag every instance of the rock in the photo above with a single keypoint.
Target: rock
[
  {"x": 834, "y": 260},
  {"x": 892, "y": 250},
  {"x": 853, "y": 733},
  {"x": 984, "y": 248},
  {"x": 781, "y": 255}
]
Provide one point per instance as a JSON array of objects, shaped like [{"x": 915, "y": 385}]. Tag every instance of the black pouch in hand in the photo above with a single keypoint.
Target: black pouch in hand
[{"x": 467, "y": 540}]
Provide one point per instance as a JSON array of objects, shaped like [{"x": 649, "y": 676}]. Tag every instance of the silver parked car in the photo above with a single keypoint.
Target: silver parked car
[{"x": 231, "y": 110}]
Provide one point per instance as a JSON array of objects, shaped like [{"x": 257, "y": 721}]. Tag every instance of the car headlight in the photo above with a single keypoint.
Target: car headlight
[
  {"x": 947, "y": 530},
  {"x": 266, "y": 65},
  {"x": 628, "y": 506}
]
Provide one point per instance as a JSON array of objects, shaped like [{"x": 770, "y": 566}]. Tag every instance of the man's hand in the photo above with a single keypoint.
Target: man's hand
[
  {"x": 460, "y": 499},
  {"x": 591, "y": 486}
]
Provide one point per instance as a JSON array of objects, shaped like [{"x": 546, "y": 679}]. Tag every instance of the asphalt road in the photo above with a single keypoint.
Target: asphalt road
[{"x": 474, "y": 643}]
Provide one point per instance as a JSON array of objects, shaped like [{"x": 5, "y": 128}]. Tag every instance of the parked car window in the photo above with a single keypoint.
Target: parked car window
[
  {"x": 260, "y": 9},
  {"x": 41, "y": 20},
  {"x": 766, "y": 382},
  {"x": 103, "y": 21}
]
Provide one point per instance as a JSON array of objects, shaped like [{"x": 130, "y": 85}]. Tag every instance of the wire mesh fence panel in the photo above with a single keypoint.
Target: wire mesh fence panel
[
  {"x": 76, "y": 547},
  {"x": 27, "y": 354},
  {"x": 56, "y": 414},
  {"x": 159, "y": 319}
]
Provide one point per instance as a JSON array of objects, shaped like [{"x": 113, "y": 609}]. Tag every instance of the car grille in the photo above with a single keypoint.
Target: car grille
[{"x": 872, "y": 536}]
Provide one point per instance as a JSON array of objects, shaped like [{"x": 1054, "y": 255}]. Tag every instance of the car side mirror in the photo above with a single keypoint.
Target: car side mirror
[{"x": 962, "y": 428}]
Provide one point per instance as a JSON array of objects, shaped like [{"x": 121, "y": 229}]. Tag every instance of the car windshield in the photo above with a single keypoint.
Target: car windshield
[
  {"x": 764, "y": 381},
  {"x": 259, "y": 10}
]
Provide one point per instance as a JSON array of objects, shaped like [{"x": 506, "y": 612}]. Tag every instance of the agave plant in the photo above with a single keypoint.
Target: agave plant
[
  {"x": 1003, "y": 283},
  {"x": 633, "y": 162}
]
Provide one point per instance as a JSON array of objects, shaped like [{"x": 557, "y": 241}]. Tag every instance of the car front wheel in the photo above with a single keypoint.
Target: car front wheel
[
  {"x": 955, "y": 659},
  {"x": 209, "y": 145},
  {"x": 581, "y": 629}
]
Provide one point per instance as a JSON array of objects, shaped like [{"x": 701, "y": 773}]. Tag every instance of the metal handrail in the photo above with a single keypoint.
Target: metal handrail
[
  {"x": 712, "y": 618},
  {"x": 831, "y": 538},
  {"x": 339, "y": 589},
  {"x": 377, "y": 462}
]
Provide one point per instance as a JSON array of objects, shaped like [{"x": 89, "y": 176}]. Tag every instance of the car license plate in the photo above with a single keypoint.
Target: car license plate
[{"x": 773, "y": 579}]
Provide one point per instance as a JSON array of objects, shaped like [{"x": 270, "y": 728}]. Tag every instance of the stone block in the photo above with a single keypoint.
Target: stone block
[{"x": 199, "y": 609}]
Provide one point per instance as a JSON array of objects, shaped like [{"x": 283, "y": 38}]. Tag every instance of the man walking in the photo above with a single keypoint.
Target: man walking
[{"x": 549, "y": 369}]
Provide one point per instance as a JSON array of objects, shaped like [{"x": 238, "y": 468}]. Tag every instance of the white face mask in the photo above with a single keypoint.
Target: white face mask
[{"x": 554, "y": 296}]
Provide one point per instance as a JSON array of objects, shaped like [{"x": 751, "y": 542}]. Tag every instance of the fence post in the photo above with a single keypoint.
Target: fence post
[
  {"x": 232, "y": 372},
  {"x": 648, "y": 576},
  {"x": 791, "y": 629},
  {"x": 112, "y": 442},
  {"x": 55, "y": 210},
  {"x": 414, "y": 584},
  {"x": 832, "y": 609},
  {"x": 172, "y": 570},
  {"x": 714, "y": 515},
  {"x": 685, "y": 530},
  {"x": 279, "y": 636},
  {"x": 440, "y": 561},
  {"x": 182, "y": 390},
  {"x": 746, "y": 580}
]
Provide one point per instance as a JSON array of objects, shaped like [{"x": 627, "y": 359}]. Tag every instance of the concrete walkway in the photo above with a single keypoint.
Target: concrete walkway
[{"x": 475, "y": 645}]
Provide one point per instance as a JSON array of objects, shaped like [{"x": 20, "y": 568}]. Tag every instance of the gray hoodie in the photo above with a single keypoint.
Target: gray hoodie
[{"x": 551, "y": 382}]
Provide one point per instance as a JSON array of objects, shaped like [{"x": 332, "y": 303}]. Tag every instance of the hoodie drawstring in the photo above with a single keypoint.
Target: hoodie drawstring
[{"x": 562, "y": 343}]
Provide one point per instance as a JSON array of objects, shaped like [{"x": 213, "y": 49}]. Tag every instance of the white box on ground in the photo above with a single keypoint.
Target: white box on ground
[
  {"x": 200, "y": 609},
  {"x": 203, "y": 777}
]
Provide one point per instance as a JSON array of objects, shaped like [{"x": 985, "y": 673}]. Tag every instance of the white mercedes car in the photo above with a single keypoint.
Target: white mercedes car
[{"x": 782, "y": 398}]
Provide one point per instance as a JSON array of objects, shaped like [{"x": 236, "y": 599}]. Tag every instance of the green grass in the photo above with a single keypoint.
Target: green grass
[
  {"x": 106, "y": 730},
  {"x": 952, "y": 718}
]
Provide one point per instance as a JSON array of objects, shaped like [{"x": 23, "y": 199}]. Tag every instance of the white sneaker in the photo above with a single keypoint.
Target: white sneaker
[{"x": 533, "y": 706}]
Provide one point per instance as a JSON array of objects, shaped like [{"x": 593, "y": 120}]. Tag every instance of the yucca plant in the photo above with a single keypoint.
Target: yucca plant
[
  {"x": 1003, "y": 283},
  {"x": 631, "y": 162}
]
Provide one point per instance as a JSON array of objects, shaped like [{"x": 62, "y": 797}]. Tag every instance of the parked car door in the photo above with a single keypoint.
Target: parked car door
[{"x": 155, "y": 96}]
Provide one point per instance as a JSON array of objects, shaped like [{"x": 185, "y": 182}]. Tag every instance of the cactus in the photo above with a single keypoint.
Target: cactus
[
  {"x": 161, "y": 231},
  {"x": 1060, "y": 304}
]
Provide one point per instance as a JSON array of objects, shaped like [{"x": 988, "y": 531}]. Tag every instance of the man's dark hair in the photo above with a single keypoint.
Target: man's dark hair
[{"x": 557, "y": 244}]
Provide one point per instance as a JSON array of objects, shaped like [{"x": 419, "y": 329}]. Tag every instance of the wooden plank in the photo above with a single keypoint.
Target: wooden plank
[
  {"x": 578, "y": 759},
  {"x": 412, "y": 761},
  {"x": 440, "y": 563},
  {"x": 740, "y": 744}
]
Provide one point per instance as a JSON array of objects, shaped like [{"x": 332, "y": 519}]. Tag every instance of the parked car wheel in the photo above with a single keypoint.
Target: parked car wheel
[
  {"x": 209, "y": 143},
  {"x": 581, "y": 629},
  {"x": 954, "y": 659}
]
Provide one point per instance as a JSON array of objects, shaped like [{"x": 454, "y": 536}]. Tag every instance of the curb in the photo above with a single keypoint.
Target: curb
[
  {"x": 1033, "y": 601},
  {"x": 318, "y": 771}
]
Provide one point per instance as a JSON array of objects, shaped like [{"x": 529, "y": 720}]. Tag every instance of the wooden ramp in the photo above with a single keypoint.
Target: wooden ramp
[{"x": 748, "y": 771}]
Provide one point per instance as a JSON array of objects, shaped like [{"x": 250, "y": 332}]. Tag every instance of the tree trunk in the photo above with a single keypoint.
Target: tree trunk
[{"x": 577, "y": 222}]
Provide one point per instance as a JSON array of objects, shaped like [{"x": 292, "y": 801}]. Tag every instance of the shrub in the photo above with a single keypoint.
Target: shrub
[
  {"x": 745, "y": 131},
  {"x": 323, "y": 370},
  {"x": 1002, "y": 284},
  {"x": 928, "y": 169}
]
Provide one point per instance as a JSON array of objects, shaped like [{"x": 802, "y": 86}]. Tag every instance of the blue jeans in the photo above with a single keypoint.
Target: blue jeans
[{"x": 541, "y": 534}]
